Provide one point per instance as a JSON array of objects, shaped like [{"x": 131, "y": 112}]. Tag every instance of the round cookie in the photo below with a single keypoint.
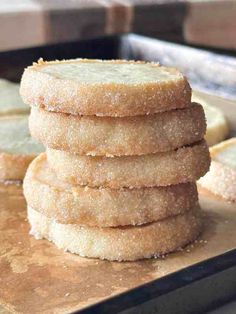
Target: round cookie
[
  {"x": 221, "y": 179},
  {"x": 104, "y": 207},
  {"x": 106, "y": 136},
  {"x": 217, "y": 125},
  {"x": 17, "y": 148},
  {"x": 107, "y": 88},
  {"x": 120, "y": 244},
  {"x": 10, "y": 100},
  {"x": 185, "y": 164}
]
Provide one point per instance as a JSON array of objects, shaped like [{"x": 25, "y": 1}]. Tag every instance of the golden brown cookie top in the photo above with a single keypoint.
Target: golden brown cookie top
[{"x": 106, "y": 88}]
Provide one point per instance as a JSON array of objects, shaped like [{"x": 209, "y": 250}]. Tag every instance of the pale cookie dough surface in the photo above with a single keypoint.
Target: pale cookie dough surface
[
  {"x": 102, "y": 207},
  {"x": 106, "y": 136},
  {"x": 17, "y": 148},
  {"x": 217, "y": 125},
  {"x": 185, "y": 164},
  {"x": 105, "y": 88},
  {"x": 221, "y": 179},
  {"x": 120, "y": 244},
  {"x": 10, "y": 100}
]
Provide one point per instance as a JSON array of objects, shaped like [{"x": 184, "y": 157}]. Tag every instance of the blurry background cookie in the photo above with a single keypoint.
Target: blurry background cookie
[
  {"x": 221, "y": 179},
  {"x": 17, "y": 148},
  {"x": 10, "y": 100},
  {"x": 217, "y": 125}
]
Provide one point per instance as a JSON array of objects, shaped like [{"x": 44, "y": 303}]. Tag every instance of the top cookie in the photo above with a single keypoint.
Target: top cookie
[{"x": 105, "y": 88}]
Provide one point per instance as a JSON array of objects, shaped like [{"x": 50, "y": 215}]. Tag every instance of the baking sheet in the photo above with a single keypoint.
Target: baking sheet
[{"x": 36, "y": 277}]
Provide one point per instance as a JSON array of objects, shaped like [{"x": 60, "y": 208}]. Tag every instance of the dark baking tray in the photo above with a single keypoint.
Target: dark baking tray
[{"x": 195, "y": 289}]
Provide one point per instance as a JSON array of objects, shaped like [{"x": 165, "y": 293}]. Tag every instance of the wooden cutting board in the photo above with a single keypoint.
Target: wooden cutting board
[{"x": 36, "y": 277}]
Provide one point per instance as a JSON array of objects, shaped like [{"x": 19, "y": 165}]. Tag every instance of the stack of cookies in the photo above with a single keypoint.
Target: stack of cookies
[{"x": 124, "y": 149}]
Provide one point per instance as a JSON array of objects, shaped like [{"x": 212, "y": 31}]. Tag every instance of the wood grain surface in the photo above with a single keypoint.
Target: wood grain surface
[
  {"x": 30, "y": 23},
  {"x": 36, "y": 277}
]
